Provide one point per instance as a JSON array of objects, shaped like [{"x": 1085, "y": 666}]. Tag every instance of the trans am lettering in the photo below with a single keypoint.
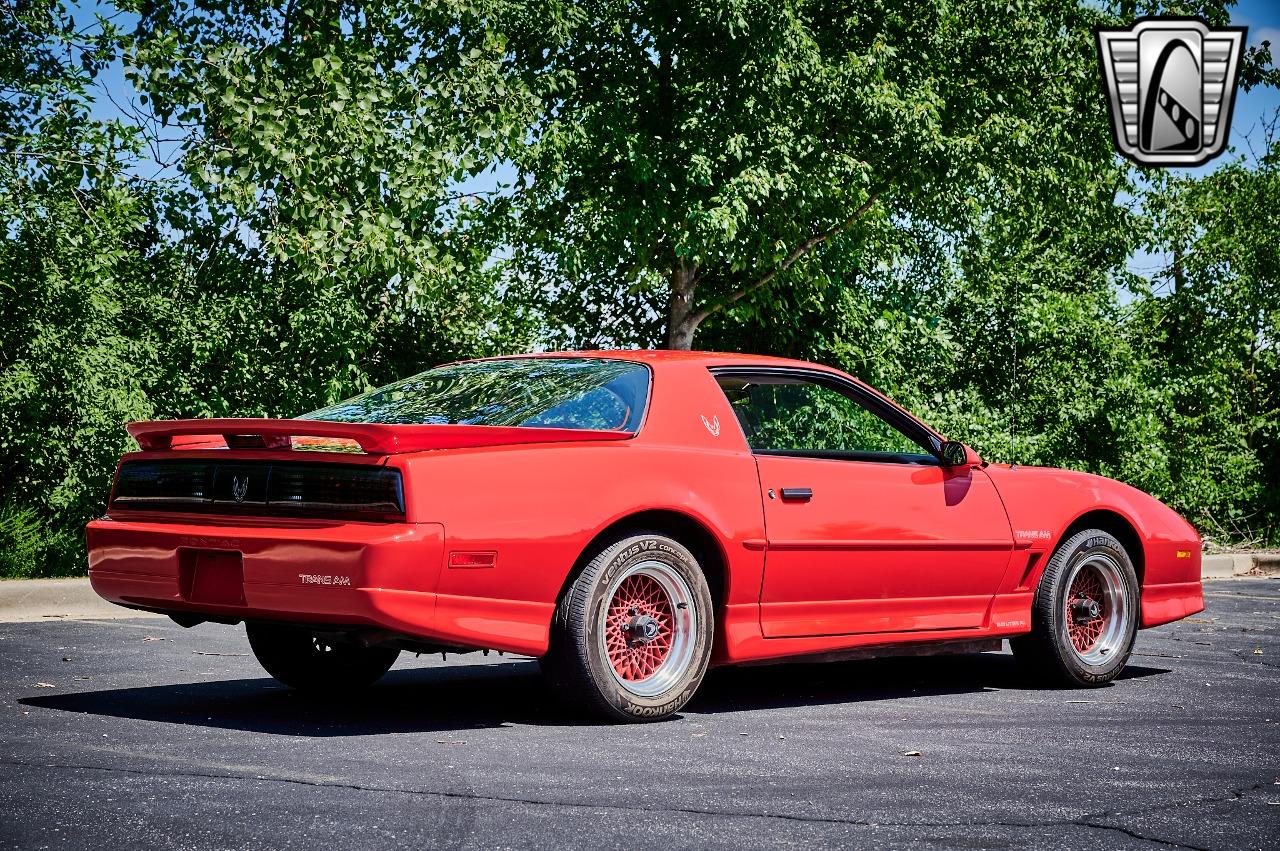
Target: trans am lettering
[{"x": 322, "y": 579}]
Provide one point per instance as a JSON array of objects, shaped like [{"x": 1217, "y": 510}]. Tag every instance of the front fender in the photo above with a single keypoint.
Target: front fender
[{"x": 1045, "y": 505}]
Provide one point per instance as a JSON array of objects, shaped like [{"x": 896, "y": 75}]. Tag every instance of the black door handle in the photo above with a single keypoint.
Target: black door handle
[{"x": 801, "y": 494}]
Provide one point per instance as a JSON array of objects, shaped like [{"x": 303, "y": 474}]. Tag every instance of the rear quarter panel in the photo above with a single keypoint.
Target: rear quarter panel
[{"x": 537, "y": 508}]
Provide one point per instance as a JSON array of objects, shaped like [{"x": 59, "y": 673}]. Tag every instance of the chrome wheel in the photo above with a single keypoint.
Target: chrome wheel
[
  {"x": 647, "y": 628},
  {"x": 1097, "y": 609},
  {"x": 632, "y": 634}
]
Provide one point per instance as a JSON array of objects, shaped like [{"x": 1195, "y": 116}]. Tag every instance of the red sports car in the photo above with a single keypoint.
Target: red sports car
[{"x": 630, "y": 518}]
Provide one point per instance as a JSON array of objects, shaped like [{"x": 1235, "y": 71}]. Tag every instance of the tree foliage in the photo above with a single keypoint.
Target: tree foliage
[
  {"x": 299, "y": 201},
  {"x": 76, "y": 276},
  {"x": 1211, "y": 339}
]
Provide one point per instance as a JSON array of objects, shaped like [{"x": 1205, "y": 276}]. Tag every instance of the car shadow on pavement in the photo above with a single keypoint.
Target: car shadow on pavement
[
  {"x": 797, "y": 684},
  {"x": 453, "y": 697},
  {"x": 460, "y": 697}
]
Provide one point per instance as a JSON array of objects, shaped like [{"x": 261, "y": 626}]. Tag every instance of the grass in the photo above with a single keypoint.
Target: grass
[{"x": 29, "y": 549}]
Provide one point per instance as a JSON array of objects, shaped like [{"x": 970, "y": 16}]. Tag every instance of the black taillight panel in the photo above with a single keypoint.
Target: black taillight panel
[
  {"x": 329, "y": 488},
  {"x": 144, "y": 484},
  {"x": 338, "y": 491}
]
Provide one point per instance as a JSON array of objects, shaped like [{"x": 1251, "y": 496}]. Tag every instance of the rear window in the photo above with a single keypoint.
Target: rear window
[{"x": 585, "y": 393}]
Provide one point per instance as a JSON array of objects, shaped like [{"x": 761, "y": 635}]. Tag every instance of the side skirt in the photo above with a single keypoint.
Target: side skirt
[
  {"x": 931, "y": 648},
  {"x": 740, "y": 640}
]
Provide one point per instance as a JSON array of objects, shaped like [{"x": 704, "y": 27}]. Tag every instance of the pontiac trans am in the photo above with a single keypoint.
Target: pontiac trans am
[{"x": 630, "y": 518}]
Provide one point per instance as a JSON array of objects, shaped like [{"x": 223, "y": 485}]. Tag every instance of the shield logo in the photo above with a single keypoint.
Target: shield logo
[{"x": 1171, "y": 84}]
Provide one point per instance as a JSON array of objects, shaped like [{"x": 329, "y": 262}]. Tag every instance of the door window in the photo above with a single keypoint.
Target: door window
[{"x": 795, "y": 416}]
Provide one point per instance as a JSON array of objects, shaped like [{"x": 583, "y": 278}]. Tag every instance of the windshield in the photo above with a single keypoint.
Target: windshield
[{"x": 586, "y": 393}]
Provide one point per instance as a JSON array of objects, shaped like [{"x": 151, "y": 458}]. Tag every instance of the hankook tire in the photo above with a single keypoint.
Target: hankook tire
[
  {"x": 1085, "y": 615},
  {"x": 632, "y": 634}
]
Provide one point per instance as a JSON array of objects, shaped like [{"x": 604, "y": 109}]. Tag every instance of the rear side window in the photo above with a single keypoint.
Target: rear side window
[
  {"x": 582, "y": 393},
  {"x": 793, "y": 416}
]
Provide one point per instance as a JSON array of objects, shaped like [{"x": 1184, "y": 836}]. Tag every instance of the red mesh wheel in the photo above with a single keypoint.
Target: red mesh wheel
[
  {"x": 1087, "y": 609},
  {"x": 638, "y": 627},
  {"x": 1084, "y": 617}
]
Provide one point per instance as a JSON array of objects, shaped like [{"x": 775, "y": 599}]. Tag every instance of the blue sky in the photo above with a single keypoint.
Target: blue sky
[{"x": 1262, "y": 17}]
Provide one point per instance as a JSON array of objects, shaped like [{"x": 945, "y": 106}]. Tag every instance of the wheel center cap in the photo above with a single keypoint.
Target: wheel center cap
[
  {"x": 1086, "y": 609},
  {"x": 642, "y": 629}
]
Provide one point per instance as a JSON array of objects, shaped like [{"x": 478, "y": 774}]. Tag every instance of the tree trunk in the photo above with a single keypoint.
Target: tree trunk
[{"x": 681, "y": 319}]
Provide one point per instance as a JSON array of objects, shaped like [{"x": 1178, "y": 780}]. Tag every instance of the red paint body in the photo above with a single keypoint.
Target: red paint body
[{"x": 497, "y": 519}]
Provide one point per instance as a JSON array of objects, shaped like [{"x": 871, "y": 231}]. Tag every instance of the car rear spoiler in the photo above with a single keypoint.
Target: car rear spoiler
[{"x": 373, "y": 438}]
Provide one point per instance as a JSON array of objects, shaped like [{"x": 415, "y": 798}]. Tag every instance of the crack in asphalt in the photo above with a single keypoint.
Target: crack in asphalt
[
  {"x": 1235, "y": 595},
  {"x": 1088, "y": 820}
]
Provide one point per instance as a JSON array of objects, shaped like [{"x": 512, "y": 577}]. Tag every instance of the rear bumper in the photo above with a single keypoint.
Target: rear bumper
[{"x": 378, "y": 575}]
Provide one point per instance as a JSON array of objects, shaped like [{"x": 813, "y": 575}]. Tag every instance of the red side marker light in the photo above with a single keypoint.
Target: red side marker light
[{"x": 472, "y": 559}]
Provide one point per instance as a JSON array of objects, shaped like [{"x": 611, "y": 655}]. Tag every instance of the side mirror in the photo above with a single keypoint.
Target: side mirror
[{"x": 956, "y": 454}]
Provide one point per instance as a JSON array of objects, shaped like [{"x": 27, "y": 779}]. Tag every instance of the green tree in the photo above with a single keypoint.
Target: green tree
[
  {"x": 79, "y": 253},
  {"x": 1212, "y": 334},
  {"x": 702, "y": 156},
  {"x": 323, "y": 144},
  {"x": 921, "y": 191}
]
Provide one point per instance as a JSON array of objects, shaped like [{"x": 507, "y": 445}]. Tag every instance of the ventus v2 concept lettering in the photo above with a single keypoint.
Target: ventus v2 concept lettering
[{"x": 630, "y": 518}]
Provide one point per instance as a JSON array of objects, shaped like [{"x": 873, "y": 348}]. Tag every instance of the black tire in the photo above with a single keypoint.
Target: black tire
[
  {"x": 579, "y": 665},
  {"x": 1048, "y": 651},
  {"x": 300, "y": 659}
]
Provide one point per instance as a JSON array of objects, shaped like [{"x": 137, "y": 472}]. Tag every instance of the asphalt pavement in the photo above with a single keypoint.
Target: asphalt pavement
[{"x": 139, "y": 734}]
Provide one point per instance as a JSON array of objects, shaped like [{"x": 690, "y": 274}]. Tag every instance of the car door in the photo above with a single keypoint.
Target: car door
[{"x": 866, "y": 531}]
